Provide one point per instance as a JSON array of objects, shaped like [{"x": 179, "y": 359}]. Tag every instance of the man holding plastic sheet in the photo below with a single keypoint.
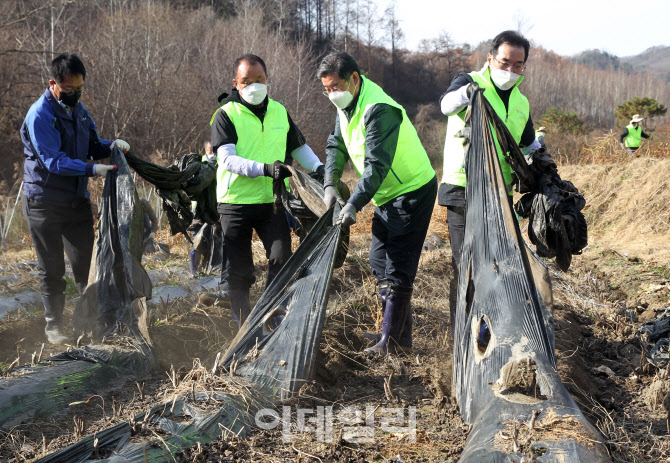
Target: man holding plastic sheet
[
  {"x": 253, "y": 136},
  {"x": 58, "y": 137},
  {"x": 631, "y": 137},
  {"x": 374, "y": 132},
  {"x": 500, "y": 78}
]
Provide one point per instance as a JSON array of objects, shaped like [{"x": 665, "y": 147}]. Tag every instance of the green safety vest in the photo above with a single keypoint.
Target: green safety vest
[
  {"x": 515, "y": 118},
  {"x": 411, "y": 167},
  {"x": 262, "y": 142},
  {"x": 634, "y": 137}
]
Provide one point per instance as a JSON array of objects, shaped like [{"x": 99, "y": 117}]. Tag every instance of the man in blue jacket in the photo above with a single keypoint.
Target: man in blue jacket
[{"x": 59, "y": 136}]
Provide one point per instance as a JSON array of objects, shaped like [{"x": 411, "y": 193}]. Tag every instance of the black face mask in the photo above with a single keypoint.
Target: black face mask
[{"x": 70, "y": 98}]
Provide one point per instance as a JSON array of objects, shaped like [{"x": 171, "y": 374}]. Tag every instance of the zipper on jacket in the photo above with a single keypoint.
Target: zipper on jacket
[{"x": 396, "y": 176}]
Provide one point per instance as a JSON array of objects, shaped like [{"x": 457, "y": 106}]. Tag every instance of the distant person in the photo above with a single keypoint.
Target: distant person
[
  {"x": 375, "y": 134},
  {"x": 500, "y": 78},
  {"x": 59, "y": 136},
  {"x": 253, "y": 136},
  {"x": 631, "y": 137},
  {"x": 539, "y": 136}
]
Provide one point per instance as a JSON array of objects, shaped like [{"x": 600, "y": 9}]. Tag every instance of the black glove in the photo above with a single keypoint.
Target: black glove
[
  {"x": 277, "y": 170},
  {"x": 319, "y": 174}
]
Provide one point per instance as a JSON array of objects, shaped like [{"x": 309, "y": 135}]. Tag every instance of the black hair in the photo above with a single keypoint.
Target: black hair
[
  {"x": 251, "y": 59},
  {"x": 514, "y": 39},
  {"x": 67, "y": 65},
  {"x": 339, "y": 63}
]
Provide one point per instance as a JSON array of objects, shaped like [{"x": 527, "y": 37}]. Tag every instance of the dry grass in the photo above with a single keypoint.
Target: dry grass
[{"x": 627, "y": 205}]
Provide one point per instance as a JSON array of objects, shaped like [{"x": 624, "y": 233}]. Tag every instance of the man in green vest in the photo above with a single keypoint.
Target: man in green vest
[
  {"x": 374, "y": 133},
  {"x": 632, "y": 135},
  {"x": 500, "y": 78},
  {"x": 253, "y": 136}
]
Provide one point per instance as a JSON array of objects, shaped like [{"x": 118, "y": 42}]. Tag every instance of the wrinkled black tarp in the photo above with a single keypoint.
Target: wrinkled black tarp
[
  {"x": 112, "y": 305},
  {"x": 557, "y": 225},
  {"x": 654, "y": 338},
  {"x": 504, "y": 284},
  {"x": 120, "y": 279},
  {"x": 187, "y": 179},
  {"x": 279, "y": 360},
  {"x": 208, "y": 240},
  {"x": 274, "y": 359}
]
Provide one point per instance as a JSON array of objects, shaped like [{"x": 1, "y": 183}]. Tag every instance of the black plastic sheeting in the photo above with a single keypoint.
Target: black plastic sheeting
[
  {"x": 188, "y": 179},
  {"x": 208, "y": 240},
  {"x": 503, "y": 284},
  {"x": 113, "y": 305},
  {"x": 557, "y": 226},
  {"x": 273, "y": 355},
  {"x": 654, "y": 338}
]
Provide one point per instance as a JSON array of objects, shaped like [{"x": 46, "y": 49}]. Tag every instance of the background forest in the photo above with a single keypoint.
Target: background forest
[{"x": 156, "y": 67}]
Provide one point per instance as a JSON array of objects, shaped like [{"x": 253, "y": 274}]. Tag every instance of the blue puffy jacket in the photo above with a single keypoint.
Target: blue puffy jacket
[{"x": 57, "y": 145}]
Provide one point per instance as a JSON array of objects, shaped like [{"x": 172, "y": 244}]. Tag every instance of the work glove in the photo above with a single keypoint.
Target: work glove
[
  {"x": 622, "y": 145},
  {"x": 277, "y": 170},
  {"x": 347, "y": 215},
  {"x": 122, "y": 145},
  {"x": 102, "y": 169},
  {"x": 152, "y": 235},
  {"x": 319, "y": 174},
  {"x": 331, "y": 197}
]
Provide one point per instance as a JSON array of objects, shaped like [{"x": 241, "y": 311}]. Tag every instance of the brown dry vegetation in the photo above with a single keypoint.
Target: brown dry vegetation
[{"x": 598, "y": 306}]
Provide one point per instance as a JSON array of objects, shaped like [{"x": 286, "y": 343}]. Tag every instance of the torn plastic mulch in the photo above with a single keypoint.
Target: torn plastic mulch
[
  {"x": 654, "y": 338},
  {"x": 116, "y": 298},
  {"x": 557, "y": 226},
  {"x": 188, "y": 179},
  {"x": 273, "y": 355},
  {"x": 504, "y": 361}
]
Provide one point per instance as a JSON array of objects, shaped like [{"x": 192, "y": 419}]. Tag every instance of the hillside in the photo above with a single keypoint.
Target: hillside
[{"x": 655, "y": 59}]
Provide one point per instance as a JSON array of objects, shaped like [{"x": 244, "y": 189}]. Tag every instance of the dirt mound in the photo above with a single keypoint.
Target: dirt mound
[{"x": 627, "y": 205}]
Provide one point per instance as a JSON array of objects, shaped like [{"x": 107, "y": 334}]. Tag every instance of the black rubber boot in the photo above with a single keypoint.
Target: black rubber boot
[
  {"x": 239, "y": 304},
  {"x": 398, "y": 308},
  {"x": 383, "y": 290},
  {"x": 53, "y": 314}
]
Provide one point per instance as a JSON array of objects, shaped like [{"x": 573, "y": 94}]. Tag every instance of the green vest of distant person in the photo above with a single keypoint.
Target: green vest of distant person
[
  {"x": 260, "y": 141},
  {"x": 410, "y": 168},
  {"x": 515, "y": 118},
  {"x": 634, "y": 137}
]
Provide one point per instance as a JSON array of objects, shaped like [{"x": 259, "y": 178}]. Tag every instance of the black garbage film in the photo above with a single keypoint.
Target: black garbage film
[
  {"x": 187, "y": 179},
  {"x": 113, "y": 305},
  {"x": 654, "y": 338},
  {"x": 505, "y": 376},
  {"x": 557, "y": 226},
  {"x": 272, "y": 356}
]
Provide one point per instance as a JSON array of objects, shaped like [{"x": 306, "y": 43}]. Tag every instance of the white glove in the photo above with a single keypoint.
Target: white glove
[
  {"x": 102, "y": 169},
  {"x": 347, "y": 215},
  {"x": 331, "y": 197},
  {"x": 122, "y": 145},
  {"x": 152, "y": 235},
  {"x": 211, "y": 158}
]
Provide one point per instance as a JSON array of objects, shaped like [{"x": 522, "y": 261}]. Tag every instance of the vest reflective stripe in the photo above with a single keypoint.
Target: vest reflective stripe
[
  {"x": 262, "y": 142},
  {"x": 634, "y": 137},
  {"x": 411, "y": 167},
  {"x": 515, "y": 119}
]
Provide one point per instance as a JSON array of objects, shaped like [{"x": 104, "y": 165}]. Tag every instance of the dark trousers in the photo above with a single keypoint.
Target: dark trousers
[
  {"x": 399, "y": 229},
  {"x": 54, "y": 229},
  {"x": 238, "y": 222}
]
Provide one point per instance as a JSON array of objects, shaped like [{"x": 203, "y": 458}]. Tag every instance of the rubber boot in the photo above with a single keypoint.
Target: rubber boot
[
  {"x": 398, "y": 307},
  {"x": 195, "y": 262},
  {"x": 383, "y": 290},
  {"x": 239, "y": 305},
  {"x": 53, "y": 313}
]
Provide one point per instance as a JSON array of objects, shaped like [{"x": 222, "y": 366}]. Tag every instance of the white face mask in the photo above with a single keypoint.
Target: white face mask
[
  {"x": 504, "y": 80},
  {"x": 254, "y": 94},
  {"x": 341, "y": 99}
]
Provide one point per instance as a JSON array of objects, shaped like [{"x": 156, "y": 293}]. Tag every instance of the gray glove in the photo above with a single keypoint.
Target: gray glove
[
  {"x": 102, "y": 169},
  {"x": 331, "y": 197},
  {"x": 347, "y": 215}
]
